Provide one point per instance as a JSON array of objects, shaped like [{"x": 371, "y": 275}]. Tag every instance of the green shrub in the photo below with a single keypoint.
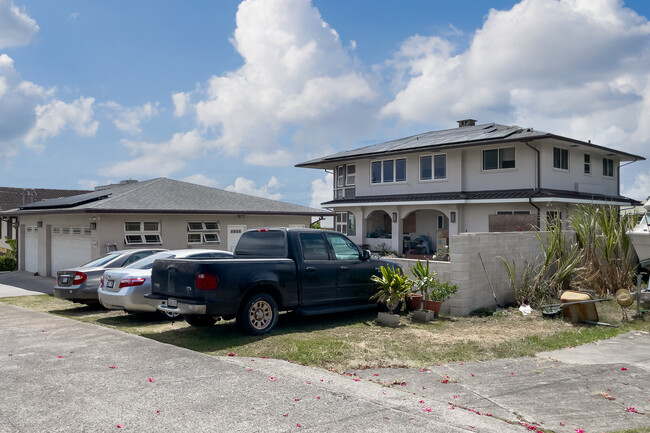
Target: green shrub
[{"x": 8, "y": 263}]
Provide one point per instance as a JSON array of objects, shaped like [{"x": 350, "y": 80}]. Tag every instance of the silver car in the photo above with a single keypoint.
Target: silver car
[
  {"x": 124, "y": 289},
  {"x": 80, "y": 284}
]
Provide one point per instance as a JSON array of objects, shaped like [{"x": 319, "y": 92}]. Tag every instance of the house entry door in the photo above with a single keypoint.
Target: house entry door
[{"x": 234, "y": 233}]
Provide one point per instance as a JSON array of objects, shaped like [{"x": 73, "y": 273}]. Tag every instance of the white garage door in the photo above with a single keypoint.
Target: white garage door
[
  {"x": 31, "y": 249},
  {"x": 70, "y": 247}
]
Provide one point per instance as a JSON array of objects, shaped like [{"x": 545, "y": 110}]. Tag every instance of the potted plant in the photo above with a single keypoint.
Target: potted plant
[
  {"x": 424, "y": 281},
  {"x": 439, "y": 293},
  {"x": 394, "y": 286}
]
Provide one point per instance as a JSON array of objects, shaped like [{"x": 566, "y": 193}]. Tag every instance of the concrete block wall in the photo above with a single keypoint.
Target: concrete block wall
[{"x": 466, "y": 271}]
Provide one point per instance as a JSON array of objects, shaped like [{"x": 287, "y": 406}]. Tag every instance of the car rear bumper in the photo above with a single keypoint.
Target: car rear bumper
[
  {"x": 184, "y": 306},
  {"x": 125, "y": 300},
  {"x": 78, "y": 293}
]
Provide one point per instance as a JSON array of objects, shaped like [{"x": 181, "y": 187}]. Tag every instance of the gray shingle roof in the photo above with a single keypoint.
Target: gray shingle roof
[
  {"x": 488, "y": 133},
  {"x": 164, "y": 195}
]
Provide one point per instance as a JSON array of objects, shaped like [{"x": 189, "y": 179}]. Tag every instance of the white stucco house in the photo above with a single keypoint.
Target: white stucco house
[
  {"x": 411, "y": 194},
  {"x": 59, "y": 233}
]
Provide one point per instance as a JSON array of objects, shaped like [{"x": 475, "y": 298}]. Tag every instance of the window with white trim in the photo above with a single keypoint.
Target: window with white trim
[
  {"x": 560, "y": 158},
  {"x": 513, "y": 212},
  {"x": 498, "y": 159},
  {"x": 433, "y": 167},
  {"x": 345, "y": 177},
  {"x": 587, "y": 160},
  {"x": 203, "y": 232},
  {"x": 608, "y": 167},
  {"x": 388, "y": 171},
  {"x": 142, "y": 232},
  {"x": 346, "y": 223}
]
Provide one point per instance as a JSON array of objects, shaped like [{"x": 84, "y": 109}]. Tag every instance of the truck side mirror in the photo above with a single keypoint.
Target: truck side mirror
[{"x": 365, "y": 255}]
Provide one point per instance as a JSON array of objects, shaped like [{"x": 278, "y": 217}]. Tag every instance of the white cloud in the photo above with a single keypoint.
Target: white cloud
[
  {"x": 248, "y": 186},
  {"x": 181, "y": 101},
  {"x": 160, "y": 159},
  {"x": 279, "y": 157},
  {"x": 321, "y": 191},
  {"x": 640, "y": 189},
  {"x": 56, "y": 116},
  {"x": 90, "y": 184},
  {"x": 129, "y": 119},
  {"x": 574, "y": 67},
  {"x": 16, "y": 27},
  {"x": 201, "y": 179},
  {"x": 297, "y": 79}
]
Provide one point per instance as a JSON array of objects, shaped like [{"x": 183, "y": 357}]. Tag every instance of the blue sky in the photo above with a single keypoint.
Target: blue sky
[{"x": 232, "y": 94}]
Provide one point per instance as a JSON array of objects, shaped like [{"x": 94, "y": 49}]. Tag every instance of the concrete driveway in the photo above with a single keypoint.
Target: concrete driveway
[{"x": 61, "y": 375}]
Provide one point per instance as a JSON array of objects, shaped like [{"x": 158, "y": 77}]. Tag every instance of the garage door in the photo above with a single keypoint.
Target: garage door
[
  {"x": 31, "y": 249},
  {"x": 70, "y": 247}
]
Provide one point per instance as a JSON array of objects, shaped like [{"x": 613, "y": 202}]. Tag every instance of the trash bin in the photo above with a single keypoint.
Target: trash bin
[{"x": 579, "y": 312}]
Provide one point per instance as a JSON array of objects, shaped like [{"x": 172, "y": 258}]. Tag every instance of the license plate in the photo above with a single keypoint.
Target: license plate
[
  {"x": 172, "y": 303},
  {"x": 110, "y": 284},
  {"x": 64, "y": 280}
]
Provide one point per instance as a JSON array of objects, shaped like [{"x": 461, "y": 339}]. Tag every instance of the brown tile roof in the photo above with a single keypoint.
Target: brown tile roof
[{"x": 11, "y": 198}]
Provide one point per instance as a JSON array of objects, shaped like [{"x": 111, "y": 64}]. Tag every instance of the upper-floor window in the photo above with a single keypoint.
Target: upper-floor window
[
  {"x": 496, "y": 159},
  {"x": 388, "y": 171},
  {"x": 344, "y": 181},
  {"x": 560, "y": 158},
  {"x": 587, "y": 163},
  {"x": 608, "y": 167},
  {"x": 433, "y": 167}
]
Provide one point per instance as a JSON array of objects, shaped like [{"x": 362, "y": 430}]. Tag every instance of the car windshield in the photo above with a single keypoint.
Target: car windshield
[
  {"x": 102, "y": 260},
  {"x": 147, "y": 262}
]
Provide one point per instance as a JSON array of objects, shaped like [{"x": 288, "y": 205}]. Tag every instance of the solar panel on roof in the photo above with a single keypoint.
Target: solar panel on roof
[{"x": 71, "y": 201}]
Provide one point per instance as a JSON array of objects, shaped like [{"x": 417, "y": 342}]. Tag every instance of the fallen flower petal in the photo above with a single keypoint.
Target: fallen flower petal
[
  {"x": 421, "y": 401},
  {"x": 272, "y": 379},
  {"x": 231, "y": 354},
  {"x": 120, "y": 426},
  {"x": 286, "y": 414},
  {"x": 112, "y": 367},
  {"x": 428, "y": 409},
  {"x": 579, "y": 430},
  {"x": 296, "y": 399},
  {"x": 158, "y": 411},
  {"x": 357, "y": 380},
  {"x": 633, "y": 410},
  {"x": 376, "y": 374},
  {"x": 318, "y": 397},
  {"x": 308, "y": 383},
  {"x": 472, "y": 374},
  {"x": 298, "y": 425},
  {"x": 150, "y": 379},
  {"x": 60, "y": 356},
  {"x": 623, "y": 369}
]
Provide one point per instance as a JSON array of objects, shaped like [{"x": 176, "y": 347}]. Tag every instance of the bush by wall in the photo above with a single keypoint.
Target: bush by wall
[{"x": 8, "y": 263}]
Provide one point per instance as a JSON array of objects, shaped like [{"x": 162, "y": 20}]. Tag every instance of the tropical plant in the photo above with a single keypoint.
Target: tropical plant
[
  {"x": 394, "y": 286},
  {"x": 424, "y": 280},
  {"x": 443, "y": 291},
  {"x": 8, "y": 263},
  {"x": 13, "y": 246}
]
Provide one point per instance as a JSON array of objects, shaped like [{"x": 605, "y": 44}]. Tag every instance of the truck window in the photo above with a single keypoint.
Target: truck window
[
  {"x": 271, "y": 243},
  {"x": 344, "y": 248},
  {"x": 314, "y": 246}
]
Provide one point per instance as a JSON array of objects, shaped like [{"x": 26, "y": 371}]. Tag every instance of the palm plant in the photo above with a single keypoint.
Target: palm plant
[{"x": 394, "y": 286}]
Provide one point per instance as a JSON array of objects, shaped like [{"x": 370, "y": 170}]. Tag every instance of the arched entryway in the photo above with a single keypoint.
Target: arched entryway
[
  {"x": 379, "y": 230},
  {"x": 425, "y": 233}
]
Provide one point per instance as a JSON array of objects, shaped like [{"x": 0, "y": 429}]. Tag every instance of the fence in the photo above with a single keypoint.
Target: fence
[{"x": 466, "y": 271}]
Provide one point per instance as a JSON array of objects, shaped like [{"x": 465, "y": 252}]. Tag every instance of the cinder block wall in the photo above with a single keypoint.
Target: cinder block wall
[{"x": 466, "y": 271}]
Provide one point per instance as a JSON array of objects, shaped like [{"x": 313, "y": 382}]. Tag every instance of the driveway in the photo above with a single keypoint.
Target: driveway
[{"x": 62, "y": 375}]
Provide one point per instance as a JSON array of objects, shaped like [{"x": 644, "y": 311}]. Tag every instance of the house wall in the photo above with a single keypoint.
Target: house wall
[
  {"x": 109, "y": 232},
  {"x": 477, "y": 179},
  {"x": 575, "y": 179},
  {"x": 466, "y": 270}
]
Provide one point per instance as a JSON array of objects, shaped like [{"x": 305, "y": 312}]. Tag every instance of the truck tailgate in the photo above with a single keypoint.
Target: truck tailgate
[{"x": 176, "y": 277}]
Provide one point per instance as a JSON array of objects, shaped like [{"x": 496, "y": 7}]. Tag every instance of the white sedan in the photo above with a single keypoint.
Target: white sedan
[{"x": 124, "y": 288}]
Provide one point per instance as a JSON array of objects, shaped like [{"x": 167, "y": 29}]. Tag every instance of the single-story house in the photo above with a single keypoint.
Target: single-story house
[{"x": 59, "y": 233}]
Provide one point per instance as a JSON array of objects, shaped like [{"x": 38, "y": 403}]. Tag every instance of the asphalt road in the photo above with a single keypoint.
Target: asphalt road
[{"x": 61, "y": 375}]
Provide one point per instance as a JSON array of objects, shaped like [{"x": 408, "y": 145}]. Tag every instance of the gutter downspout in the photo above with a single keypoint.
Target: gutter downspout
[{"x": 537, "y": 184}]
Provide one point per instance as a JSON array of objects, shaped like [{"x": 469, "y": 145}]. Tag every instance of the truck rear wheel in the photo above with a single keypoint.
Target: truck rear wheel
[
  {"x": 258, "y": 315},
  {"x": 200, "y": 321}
]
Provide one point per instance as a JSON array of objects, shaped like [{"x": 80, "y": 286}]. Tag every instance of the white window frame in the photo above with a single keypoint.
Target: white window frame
[
  {"x": 432, "y": 158},
  {"x": 144, "y": 235},
  {"x": 606, "y": 168},
  {"x": 568, "y": 157},
  {"x": 381, "y": 163},
  {"x": 204, "y": 235},
  {"x": 587, "y": 163},
  {"x": 500, "y": 159}
]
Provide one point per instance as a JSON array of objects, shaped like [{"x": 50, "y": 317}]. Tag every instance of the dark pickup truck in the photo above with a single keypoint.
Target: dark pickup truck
[{"x": 307, "y": 270}]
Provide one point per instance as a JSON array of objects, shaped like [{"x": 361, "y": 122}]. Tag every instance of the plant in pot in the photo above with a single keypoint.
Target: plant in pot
[
  {"x": 424, "y": 281},
  {"x": 439, "y": 293},
  {"x": 394, "y": 286}
]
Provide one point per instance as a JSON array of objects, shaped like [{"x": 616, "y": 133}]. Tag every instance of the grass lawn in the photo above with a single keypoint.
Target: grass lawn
[{"x": 354, "y": 340}]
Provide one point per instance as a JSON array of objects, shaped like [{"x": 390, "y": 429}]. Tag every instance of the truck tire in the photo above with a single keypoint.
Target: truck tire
[
  {"x": 258, "y": 314},
  {"x": 200, "y": 321}
]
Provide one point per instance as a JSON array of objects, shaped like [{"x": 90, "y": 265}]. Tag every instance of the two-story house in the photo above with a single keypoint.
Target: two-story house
[{"x": 409, "y": 195}]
